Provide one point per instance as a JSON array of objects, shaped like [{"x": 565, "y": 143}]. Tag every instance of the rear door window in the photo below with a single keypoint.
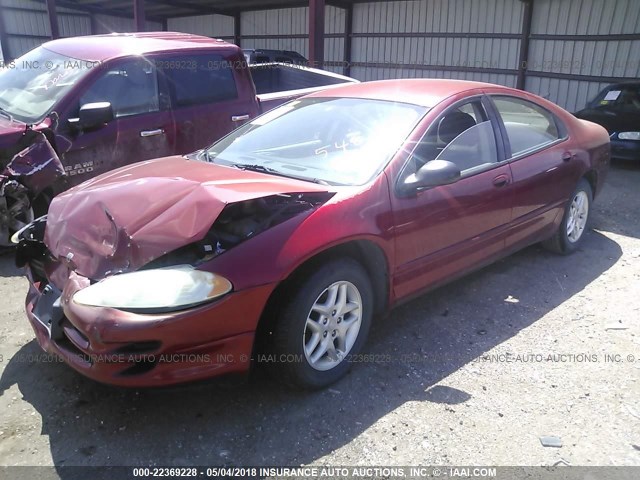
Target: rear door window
[
  {"x": 529, "y": 127},
  {"x": 198, "y": 79}
]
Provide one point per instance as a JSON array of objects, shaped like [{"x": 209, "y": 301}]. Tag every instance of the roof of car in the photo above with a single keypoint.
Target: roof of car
[
  {"x": 114, "y": 45},
  {"x": 425, "y": 92}
]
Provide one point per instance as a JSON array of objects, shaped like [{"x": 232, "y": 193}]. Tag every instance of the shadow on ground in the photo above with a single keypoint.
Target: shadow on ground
[
  {"x": 8, "y": 265},
  {"x": 261, "y": 423}
]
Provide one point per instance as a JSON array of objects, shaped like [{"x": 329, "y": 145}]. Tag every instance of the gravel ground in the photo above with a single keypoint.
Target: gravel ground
[{"x": 473, "y": 374}]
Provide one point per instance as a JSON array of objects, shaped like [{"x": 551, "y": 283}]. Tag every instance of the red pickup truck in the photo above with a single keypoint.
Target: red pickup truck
[{"x": 77, "y": 107}]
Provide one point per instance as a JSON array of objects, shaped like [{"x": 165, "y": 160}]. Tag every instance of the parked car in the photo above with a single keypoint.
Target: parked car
[
  {"x": 263, "y": 55},
  {"x": 617, "y": 108},
  {"x": 281, "y": 242},
  {"x": 105, "y": 101}
]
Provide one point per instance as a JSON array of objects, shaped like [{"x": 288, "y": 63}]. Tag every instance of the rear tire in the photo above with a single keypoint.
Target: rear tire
[
  {"x": 325, "y": 322},
  {"x": 575, "y": 221}
]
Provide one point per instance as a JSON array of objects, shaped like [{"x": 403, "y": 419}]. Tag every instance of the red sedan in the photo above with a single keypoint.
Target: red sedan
[{"x": 281, "y": 242}]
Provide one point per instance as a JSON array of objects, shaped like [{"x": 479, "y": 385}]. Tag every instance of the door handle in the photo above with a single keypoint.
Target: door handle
[
  {"x": 240, "y": 118},
  {"x": 501, "y": 181},
  {"x": 151, "y": 133},
  {"x": 566, "y": 156}
]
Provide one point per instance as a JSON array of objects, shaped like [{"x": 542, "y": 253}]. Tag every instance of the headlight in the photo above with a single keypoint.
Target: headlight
[
  {"x": 154, "y": 291},
  {"x": 629, "y": 135}
]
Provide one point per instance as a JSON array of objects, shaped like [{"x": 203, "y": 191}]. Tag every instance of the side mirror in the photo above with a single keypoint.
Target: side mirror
[
  {"x": 432, "y": 174},
  {"x": 94, "y": 115}
]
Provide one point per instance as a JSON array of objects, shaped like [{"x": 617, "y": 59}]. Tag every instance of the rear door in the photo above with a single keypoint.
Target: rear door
[
  {"x": 142, "y": 127},
  {"x": 209, "y": 96},
  {"x": 443, "y": 231},
  {"x": 543, "y": 165}
]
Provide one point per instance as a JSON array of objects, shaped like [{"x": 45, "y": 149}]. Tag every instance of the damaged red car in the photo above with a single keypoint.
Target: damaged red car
[{"x": 286, "y": 238}]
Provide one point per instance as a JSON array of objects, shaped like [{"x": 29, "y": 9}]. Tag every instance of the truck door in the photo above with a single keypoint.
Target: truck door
[
  {"x": 142, "y": 127},
  {"x": 211, "y": 95}
]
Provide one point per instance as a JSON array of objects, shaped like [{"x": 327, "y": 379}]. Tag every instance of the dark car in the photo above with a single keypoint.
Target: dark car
[
  {"x": 281, "y": 242},
  {"x": 617, "y": 108}
]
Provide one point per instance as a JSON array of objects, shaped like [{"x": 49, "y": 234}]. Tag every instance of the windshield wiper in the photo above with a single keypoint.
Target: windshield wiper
[
  {"x": 256, "y": 168},
  {"x": 273, "y": 171}
]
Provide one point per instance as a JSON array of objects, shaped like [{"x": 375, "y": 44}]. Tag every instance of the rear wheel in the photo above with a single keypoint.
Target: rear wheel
[
  {"x": 570, "y": 233},
  {"x": 326, "y": 321}
]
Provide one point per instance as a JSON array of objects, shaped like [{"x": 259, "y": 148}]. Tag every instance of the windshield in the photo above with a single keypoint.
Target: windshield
[
  {"x": 619, "y": 97},
  {"x": 338, "y": 141},
  {"x": 31, "y": 85}
]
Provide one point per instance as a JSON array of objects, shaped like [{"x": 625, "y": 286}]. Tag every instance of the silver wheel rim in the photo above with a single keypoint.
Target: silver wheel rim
[
  {"x": 578, "y": 214},
  {"x": 332, "y": 326},
  {"x": 15, "y": 213}
]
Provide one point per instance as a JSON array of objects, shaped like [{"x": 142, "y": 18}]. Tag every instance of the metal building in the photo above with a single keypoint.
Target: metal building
[{"x": 565, "y": 50}]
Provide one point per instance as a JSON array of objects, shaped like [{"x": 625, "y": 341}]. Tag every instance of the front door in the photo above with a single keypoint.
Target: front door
[
  {"x": 443, "y": 231},
  {"x": 142, "y": 127}
]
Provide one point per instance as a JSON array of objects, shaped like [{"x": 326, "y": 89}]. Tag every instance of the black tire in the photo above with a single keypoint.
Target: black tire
[
  {"x": 560, "y": 241},
  {"x": 290, "y": 364},
  {"x": 40, "y": 206}
]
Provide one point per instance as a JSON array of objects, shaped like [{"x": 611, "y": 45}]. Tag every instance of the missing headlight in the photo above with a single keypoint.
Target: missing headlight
[
  {"x": 31, "y": 248},
  {"x": 241, "y": 221}
]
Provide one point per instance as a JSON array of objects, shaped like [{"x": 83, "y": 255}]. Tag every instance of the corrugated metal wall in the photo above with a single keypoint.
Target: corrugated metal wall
[
  {"x": 576, "y": 47},
  {"x": 288, "y": 29},
  {"x": 465, "y": 39},
  {"x": 216, "y": 26},
  {"x": 568, "y": 38},
  {"x": 26, "y": 25}
]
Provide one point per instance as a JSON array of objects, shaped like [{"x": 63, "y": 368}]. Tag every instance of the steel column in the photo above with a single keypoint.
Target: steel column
[
  {"x": 348, "y": 39},
  {"x": 138, "y": 15},
  {"x": 53, "y": 18},
  {"x": 523, "y": 58},
  {"x": 316, "y": 33},
  {"x": 237, "y": 31}
]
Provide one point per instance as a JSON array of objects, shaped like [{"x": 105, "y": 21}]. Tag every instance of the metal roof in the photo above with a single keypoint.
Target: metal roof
[{"x": 178, "y": 8}]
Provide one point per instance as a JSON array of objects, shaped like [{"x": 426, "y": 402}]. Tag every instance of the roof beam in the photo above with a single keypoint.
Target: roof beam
[
  {"x": 316, "y": 33},
  {"x": 53, "y": 18},
  {"x": 138, "y": 15}
]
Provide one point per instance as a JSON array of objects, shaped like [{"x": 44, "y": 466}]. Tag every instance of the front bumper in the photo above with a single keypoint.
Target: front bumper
[
  {"x": 127, "y": 349},
  {"x": 625, "y": 149}
]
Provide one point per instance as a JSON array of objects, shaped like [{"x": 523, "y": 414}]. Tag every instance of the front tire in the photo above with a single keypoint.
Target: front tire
[
  {"x": 575, "y": 221},
  {"x": 326, "y": 321}
]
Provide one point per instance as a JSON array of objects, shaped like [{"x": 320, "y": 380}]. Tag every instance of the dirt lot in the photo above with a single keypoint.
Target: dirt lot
[{"x": 477, "y": 371}]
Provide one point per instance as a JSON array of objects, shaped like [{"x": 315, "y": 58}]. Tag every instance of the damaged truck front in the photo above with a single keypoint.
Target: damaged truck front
[
  {"x": 29, "y": 171},
  {"x": 74, "y": 108}
]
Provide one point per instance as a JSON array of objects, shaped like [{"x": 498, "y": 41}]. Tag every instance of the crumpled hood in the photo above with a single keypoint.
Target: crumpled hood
[{"x": 123, "y": 219}]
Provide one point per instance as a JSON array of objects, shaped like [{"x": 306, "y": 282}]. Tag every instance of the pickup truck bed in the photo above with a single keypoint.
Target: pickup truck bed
[{"x": 277, "y": 83}]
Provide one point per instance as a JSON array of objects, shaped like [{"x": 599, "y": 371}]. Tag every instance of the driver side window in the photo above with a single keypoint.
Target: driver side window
[
  {"x": 463, "y": 135},
  {"x": 130, "y": 87}
]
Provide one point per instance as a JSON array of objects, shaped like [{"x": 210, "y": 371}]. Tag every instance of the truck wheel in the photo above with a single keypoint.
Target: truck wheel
[
  {"x": 325, "y": 322},
  {"x": 16, "y": 212}
]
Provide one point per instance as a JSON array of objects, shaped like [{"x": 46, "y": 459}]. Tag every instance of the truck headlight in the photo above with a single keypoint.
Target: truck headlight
[
  {"x": 156, "y": 290},
  {"x": 629, "y": 135}
]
